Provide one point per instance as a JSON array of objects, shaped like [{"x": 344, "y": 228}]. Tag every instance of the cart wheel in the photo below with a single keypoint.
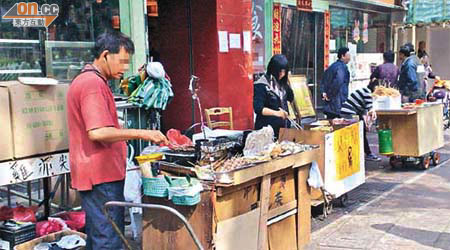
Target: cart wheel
[
  {"x": 327, "y": 209},
  {"x": 343, "y": 200},
  {"x": 396, "y": 162},
  {"x": 425, "y": 162},
  {"x": 436, "y": 158}
]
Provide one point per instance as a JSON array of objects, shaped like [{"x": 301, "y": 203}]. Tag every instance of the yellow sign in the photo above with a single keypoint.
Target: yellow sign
[
  {"x": 346, "y": 144},
  {"x": 302, "y": 96}
]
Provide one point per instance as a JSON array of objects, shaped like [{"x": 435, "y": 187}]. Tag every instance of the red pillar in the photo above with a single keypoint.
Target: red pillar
[{"x": 225, "y": 78}]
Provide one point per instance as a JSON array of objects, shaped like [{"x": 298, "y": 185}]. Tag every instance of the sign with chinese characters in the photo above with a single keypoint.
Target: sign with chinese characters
[
  {"x": 18, "y": 171},
  {"x": 344, "y": 159},
  {"x": 346, "y": 151},
  {"x": 276, "y": 43},
  {"x": 327, "y": 32},
  {"x": 304, "y": 5},
  {"x": 31, "y": 14}
]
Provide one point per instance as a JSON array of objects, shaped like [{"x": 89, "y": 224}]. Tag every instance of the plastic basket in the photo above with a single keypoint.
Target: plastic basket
[
  {"x": 182, "y": 186},
  {"x": 156, "y": 187},
  {"x": 186, "y": 200}
]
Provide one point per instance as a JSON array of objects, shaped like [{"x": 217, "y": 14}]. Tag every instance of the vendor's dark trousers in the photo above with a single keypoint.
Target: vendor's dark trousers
[
  {"x": 366, "y": 141},
  {"x": 100, "y": 233},
  {"x": 331, "y": 116}
]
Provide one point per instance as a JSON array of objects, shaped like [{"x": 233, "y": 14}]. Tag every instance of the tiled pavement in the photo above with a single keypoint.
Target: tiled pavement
[{"x": 394, "y": 209}]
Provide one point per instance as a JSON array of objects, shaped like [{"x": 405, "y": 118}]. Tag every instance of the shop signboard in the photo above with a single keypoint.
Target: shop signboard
[
  {"x": 14, "y": 172},
  {"x": 304, "y": 5},
  {"x": 344, "y": 159}
]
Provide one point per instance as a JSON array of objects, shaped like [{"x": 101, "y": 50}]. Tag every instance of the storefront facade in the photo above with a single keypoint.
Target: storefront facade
[
  {"x": 60, "y": 50},
  {"x": 365, "y": 27},
  {"x": 309, "y": 33}
]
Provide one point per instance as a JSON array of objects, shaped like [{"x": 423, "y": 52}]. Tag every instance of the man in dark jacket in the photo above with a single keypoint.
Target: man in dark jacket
[
  {"x": 409, "y": 82},
  {"x": 334, "y": 85}
]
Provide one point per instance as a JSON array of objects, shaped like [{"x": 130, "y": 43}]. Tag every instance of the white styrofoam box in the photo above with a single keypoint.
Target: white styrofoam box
[{"x": 387, "y": 102}]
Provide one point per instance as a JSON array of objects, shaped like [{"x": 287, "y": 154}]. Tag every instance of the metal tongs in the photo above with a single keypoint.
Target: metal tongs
[{"x": 295, "y": 124}]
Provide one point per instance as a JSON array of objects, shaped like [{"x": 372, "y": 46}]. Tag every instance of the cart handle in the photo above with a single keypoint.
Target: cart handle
[{"x": 150, "y": 206}]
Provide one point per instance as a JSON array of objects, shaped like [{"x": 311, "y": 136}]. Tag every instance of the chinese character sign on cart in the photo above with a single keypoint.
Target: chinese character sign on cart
[{"x": 346, "y": 151}]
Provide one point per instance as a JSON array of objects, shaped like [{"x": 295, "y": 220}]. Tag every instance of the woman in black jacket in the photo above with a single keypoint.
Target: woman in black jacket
[{"x": 271, "y": 95}]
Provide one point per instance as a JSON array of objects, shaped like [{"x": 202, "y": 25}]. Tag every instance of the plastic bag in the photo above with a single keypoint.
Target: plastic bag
[
  {"x": 74, "y": 220},
  {"x": 132, "y": 188},
  {"x": 71, "y": 242},
  {"x": 6, "y": 213},
  {"x": 186, "y": 190},
  {"x": 315, "y": 178},
  {"x": 132, "y": 191},
  {"x": 256, "y": 141},
  {"x": 176, "y": 139},
  {"x": 24, "y": 214},
  {"x": 53, "y": 225}
]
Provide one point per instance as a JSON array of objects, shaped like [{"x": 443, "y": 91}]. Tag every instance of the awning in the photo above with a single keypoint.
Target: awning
[
  {"x": 426, "y": 12},
  {"x": 366, "y": 5}
]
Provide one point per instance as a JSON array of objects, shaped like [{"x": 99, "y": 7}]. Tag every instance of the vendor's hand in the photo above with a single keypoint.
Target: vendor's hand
[
  {"x": 437, "y": 78},
  {"x": 154, "y": 136},
  {"x": 373, "y": 115},
  {"x": 282, "y": 114},
  {"x": 325, "y": 97}
]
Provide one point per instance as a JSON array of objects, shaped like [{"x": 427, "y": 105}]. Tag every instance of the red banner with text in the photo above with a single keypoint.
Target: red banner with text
[
  {"x": 327, "y": 32},
  {"x": 276, "y": 29}
]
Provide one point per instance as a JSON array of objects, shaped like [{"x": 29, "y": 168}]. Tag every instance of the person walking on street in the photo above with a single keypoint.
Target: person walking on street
[
  {"x": 96, "y": 141},
  {"x": 409, "y": 81},
  {"x": 334, "y": 85},
  {"x": 387, "y": 72}
]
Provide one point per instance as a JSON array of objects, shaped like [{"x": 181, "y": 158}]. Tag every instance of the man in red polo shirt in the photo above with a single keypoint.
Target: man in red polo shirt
[{"x": 97, "y": 143}]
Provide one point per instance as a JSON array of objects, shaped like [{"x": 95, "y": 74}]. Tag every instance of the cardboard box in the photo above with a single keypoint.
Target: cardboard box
[
  {"x": 48, "y": 238},
  {"x": 37, "y": 118},
  {"x": 6, "y": 149}
]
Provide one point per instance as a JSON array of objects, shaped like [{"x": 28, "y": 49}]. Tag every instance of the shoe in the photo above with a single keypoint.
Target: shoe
[{"x": 372, "y": 157}]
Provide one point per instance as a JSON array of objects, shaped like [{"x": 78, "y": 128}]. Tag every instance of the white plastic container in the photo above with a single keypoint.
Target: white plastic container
[{"x": 387, "y": 102}]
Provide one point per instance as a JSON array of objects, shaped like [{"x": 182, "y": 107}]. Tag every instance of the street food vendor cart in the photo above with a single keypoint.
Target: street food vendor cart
[
  {"x": 340, "y": 158},
  {"x": 266, "y": 206},
  {"x": 417, "y": 131}
]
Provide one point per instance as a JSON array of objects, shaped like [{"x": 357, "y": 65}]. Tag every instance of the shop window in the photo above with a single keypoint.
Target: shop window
[
  {"x": 61, "y": 50},
  {"x": 303, "y": 45},
  {"x": 368, "y": 30}
]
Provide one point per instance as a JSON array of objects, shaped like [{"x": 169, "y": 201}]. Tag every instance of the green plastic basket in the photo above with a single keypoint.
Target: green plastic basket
[
  {"x": 186, "y": 200},
  {"x": 156, "y": 187}
]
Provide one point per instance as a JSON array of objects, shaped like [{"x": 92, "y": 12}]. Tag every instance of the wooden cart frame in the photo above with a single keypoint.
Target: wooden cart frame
[
  {"x": 416, "y": 135},
  {"x": 325, "y": 163},
  {"x": 267, "y": 207}
]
